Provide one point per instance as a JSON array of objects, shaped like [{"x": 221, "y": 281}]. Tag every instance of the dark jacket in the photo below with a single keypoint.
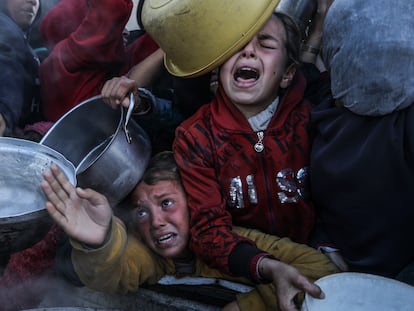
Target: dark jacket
[
  {"x": 19, "y": 87},
  {"x": 362, "y": 177}
]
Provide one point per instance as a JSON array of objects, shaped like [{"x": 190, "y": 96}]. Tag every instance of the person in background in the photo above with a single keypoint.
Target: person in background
[
  {"x": 118, "y": 257},
  {"x": 171, "y": 98},
  {"x": 21, "y": 117},
  {"x": 36, "y": 41},
  {"x": 19, "y": 89},
  {"x": 362, "y": 160},
  {"x": 176, "y": 98},
  {"x": 87, "y": 42}
]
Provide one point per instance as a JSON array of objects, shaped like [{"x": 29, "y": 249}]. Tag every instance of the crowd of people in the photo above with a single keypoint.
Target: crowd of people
[{"x": 289, "y": 157}]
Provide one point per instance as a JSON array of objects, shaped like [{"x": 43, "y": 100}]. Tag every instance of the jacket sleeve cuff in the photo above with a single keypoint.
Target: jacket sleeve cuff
[{"x": 244, "y": 260}]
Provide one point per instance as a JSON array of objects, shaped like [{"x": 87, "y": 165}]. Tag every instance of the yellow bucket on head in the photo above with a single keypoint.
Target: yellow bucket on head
[{"x": 199, "y": 35}]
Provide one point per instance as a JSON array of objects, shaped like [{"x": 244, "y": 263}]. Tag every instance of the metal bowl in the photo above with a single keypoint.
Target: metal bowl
[
  {"x": 23, "y": 217},
  {"x": 181, "y": 27}
]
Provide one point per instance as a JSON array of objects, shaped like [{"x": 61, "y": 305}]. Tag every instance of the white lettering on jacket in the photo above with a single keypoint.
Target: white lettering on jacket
[{"x": 293, "y": 186}]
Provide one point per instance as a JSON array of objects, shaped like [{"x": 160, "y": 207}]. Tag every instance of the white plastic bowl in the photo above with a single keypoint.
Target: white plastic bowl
[{"x": 351, "y": 291}]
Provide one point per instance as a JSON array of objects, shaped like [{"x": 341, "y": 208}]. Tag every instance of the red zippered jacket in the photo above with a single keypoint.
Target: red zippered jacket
[
  {"x": 88, "y": 50},
  {"x": 215, "y": 152}
]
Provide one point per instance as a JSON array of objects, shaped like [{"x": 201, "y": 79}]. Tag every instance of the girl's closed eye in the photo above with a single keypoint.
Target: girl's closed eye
[{"x": 268, "y": 42}]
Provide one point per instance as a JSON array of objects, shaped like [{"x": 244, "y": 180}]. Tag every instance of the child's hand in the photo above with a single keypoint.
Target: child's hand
[
  {"x": 289, "y": 282},
  {"x": 84, "y": 214},
  {"x": 115, "y": 91}
]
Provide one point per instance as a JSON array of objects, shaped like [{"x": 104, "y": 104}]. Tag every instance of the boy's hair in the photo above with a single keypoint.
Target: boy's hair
[
  {"x": 293, "y": 38},
  {"x": 162, "y": 166}
]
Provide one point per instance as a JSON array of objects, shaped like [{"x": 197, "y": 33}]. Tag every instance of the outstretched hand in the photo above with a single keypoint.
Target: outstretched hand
[
  {"x": 289, "y": 282},
  {"x": 84, "y": 214}
]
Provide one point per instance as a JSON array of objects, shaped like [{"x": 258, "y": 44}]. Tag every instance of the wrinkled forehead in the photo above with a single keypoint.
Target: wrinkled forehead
[{"x": 160, "y": 188}]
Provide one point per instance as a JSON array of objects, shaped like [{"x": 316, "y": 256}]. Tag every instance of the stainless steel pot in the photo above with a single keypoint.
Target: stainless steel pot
[
  {"x": 301, "y": 11},
  {"x": 109, "y": 150},
  {"x": 23, "y": 218}
]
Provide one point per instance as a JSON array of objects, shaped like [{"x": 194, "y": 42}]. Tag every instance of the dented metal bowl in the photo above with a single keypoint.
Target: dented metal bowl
[{"x": 23, "y": 217}]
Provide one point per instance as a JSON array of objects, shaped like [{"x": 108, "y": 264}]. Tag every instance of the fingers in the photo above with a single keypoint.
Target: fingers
[
  {"x": 55, "y": 206},
  {"x": 109, "y": 93},
  {"x": 95, "y": 198},
  {"x": 60, "y": 187},
  {"x": 56, "y": 214},
  {"x": 288, "y": 290},
  {"x": 310, "y": 288},
  {"x": 289, "y": 302},
  {"x": 115, "y": 91},
  {"x": 59, "y": 192},
  {"x": 62, "y": 179}
]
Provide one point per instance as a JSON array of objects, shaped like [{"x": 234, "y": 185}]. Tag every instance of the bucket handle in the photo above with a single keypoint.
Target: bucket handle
[{"x": 128, "y": 116}]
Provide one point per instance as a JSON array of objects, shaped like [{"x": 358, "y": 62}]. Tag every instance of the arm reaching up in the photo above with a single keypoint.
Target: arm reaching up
[
  {"x": 115, "y": 91},
  {"x": 311, "y": 48},
  {"x": 84, "y": 214}
]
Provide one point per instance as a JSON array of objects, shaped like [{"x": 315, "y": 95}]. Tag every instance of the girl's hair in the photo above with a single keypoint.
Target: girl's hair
[
  {"x": 162, "y": 166},
  {"x": 293, "y": 38}
]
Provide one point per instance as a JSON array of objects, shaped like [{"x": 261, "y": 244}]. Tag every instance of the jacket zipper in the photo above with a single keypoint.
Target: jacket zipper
[{"x": 259, "y": 147}]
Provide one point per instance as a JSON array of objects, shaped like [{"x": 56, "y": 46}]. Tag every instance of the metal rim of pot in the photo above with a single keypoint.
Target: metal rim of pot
[
  {"x": 23, "y": 217},
  {"x": 113, "y": 161}
]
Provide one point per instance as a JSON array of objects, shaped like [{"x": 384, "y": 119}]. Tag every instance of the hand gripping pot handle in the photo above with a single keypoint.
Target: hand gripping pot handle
[{"x": 145, "y": 96}]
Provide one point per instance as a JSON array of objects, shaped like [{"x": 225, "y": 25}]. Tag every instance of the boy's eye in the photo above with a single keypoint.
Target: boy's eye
[
  {"x": 141, "y": 213},
  {"x": 167, "y": 203}
]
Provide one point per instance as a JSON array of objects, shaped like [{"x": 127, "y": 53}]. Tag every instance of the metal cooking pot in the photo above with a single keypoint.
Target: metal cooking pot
[
  {"x": 109, "y": 150},
  {"x": 301, "y": 11},
  {"x": 23, "y": 218},
  {"x": 181, "y": 27}
]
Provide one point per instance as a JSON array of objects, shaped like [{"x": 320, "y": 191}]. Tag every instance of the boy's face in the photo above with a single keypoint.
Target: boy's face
[
  {"x": 251, "y": 78},
  {"x": 23, "y": 12},
  {"x": 162, "y": 217}
]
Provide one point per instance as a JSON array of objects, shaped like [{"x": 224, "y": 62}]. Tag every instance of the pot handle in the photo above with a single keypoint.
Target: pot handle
[{"x": 128, "y": 116}]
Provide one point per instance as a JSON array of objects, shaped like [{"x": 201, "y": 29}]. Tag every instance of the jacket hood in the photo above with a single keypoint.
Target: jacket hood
[{"x": 56, "y": 25}]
